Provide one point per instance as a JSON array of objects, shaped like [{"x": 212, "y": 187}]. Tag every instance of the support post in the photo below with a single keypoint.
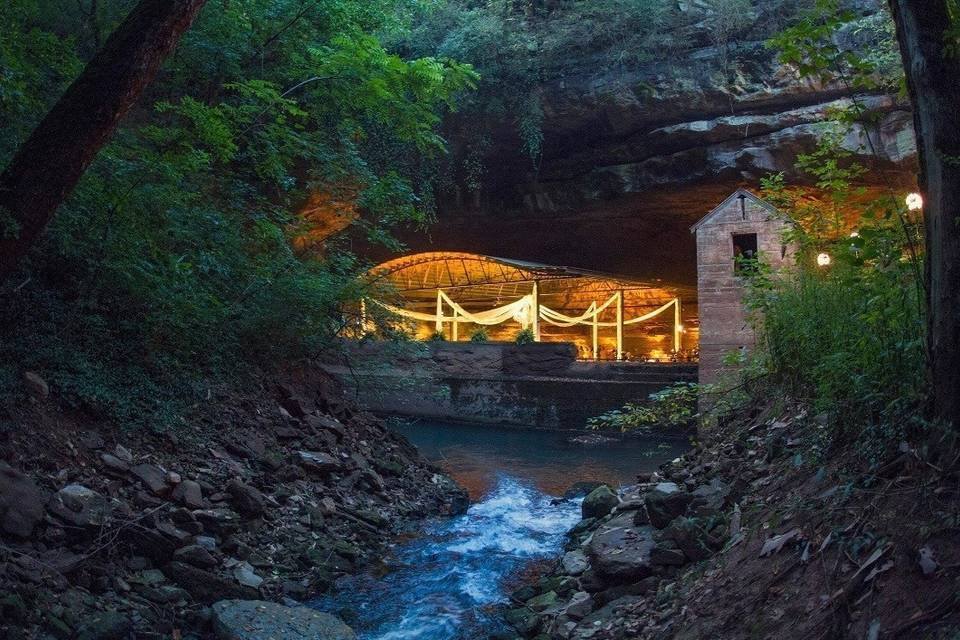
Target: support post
[
  {"x": 620, "y": 325},
  {"x": 677, "y": 326},
  {"x": 596, "y": 326},
  {"x": 455, "y": 326},
  {"x": 536, "y": 310},
  {"x": 439, "y": 323}
]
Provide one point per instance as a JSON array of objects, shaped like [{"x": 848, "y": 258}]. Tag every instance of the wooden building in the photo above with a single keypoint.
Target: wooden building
[{"x": 742, "y": 225}]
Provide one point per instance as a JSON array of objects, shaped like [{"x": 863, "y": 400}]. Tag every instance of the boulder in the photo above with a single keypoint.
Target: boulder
[
  {"x": 709, "y": 499},
  {"x": 666, "y": 556},
  {"x": 318, "y": 462},
  {"x": 196, "y": 555},
  {"x": 574, "y": 562},
  {"x": 205, "y": 586},
  {"x": 692, "y": 539},
  {"x": 153, "y": 478},
  {"x": 79, "y": 506},
  {"x": 543, "y": 601},
  {"x": 525, "y": 621},
  {"x": 257, "y": 619},
  {"x": 665, "y": 502},
  {"x": 329, "y": 424},
  {"x": 579, "y": 606},
  {"x": 599, "y": 502},
  {"x": 114, "y": 464},
  {"x": 245, "y": 575},
  {"x": 248, "y": 500},
  {"x": 580, "y": 489},
  {"x": 189, "y": 494},
  {"x": 619, "y": 551},
  {"x": 21, "y": 503}
]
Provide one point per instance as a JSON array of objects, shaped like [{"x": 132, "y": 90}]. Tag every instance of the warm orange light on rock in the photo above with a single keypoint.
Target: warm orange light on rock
[{"x": 325, "y": 214}]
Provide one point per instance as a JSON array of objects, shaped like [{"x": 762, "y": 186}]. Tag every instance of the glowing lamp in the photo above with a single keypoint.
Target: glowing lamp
[
  {"x": 855, "y": 234},
  {"x": 823, "y": 260},
  {"x": 914, "y": 202}
]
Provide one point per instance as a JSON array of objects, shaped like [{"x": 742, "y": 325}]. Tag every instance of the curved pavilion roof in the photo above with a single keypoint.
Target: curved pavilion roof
[{"x": 479, "y": 279}]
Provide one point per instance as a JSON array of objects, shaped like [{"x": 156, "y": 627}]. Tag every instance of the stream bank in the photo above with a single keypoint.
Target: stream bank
[
  {"x": 756, "y": 533},
  {"x": 267, "y": 495}
]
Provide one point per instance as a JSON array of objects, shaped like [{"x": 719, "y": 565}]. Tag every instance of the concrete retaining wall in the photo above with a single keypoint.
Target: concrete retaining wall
[{"x": 536, "y": 385}]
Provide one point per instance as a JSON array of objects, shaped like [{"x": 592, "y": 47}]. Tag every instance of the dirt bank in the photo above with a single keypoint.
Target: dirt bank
[
  {"x": 268, "y": 492},
  {"x": 757, "y": 533}
]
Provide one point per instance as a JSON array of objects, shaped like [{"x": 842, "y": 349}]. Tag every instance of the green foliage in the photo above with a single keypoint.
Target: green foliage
[
  {"x": 831, "y": 43},
  {"x": 526, "y": 336},
  {"x": 173, "y": 260},
  {"x": 516, "y": 49},
  {"x": 848, "y": 337},
  {"x": 480, "y": 335},
  {"x": 673, "y": 407},
  {"x": 437, "y": 336}
]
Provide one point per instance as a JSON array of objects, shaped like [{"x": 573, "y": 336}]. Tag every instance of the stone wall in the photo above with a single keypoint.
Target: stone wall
[{"x": 536, "y": 385}]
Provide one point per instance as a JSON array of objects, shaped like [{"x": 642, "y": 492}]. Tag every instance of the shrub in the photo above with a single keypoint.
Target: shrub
[
  {"x": 526, "y": 336},
  {"x": 480, "y": 335},
  {"x": 674, "y": 406},
  {"x": 437, "y": 336}
]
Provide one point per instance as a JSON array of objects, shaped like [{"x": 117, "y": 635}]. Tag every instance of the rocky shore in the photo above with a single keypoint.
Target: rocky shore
[
  {"x": 754, "y": 534},
  {"x": 216, "y": 529}
]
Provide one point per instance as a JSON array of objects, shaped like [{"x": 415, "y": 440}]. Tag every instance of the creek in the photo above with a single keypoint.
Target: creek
[{"x": 447, "y": 581}]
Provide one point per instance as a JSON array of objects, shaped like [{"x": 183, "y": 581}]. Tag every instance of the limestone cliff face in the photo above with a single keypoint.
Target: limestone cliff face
[{"x": 632, "y": 158}]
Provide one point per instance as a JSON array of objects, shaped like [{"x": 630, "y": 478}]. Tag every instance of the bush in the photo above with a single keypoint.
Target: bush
[
  {"x": 847, "y": 337},
  {"x": 437, "y": 336},
  {"x": 526, "y": 336},
  {"x": 674, "y": 406},
  {"x": 480, "y": 335}
]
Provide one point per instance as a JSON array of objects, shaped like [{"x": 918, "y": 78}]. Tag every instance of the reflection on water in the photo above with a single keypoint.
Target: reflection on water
[
  {"x": 475, "y": 454},
  {"x": 447, "y": 582}
]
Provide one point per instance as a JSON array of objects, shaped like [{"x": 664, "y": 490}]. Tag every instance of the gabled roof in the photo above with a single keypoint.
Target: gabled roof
[{"x": 736, "y": 194}]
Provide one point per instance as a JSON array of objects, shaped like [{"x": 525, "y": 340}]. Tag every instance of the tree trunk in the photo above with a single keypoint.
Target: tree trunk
[
  {"x": 933, "y": 80},
  {"x": 47, "y": 167}
]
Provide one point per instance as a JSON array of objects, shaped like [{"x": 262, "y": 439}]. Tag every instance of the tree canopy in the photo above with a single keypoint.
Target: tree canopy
[{"x": 174, "y": 254}]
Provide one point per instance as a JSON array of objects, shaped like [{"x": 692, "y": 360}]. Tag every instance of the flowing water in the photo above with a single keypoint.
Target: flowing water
[{"x": 446, "y": 582}]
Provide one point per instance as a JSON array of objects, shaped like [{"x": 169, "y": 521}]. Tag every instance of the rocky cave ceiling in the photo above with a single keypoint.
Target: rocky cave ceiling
[{"x": 632, "y": 159}]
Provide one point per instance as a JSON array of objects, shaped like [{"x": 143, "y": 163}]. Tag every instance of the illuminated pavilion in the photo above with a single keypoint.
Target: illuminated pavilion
[{"x": 607, "y": 317}]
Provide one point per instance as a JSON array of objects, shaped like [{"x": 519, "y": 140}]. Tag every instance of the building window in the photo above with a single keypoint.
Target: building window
[{"x": 745, "y": 253}]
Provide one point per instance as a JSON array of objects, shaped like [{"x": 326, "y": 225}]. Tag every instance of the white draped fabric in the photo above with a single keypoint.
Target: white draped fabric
[{"x": 521, "y": 310}]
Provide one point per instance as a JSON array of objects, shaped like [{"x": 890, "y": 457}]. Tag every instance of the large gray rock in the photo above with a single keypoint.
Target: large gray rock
[
  {"x": 619, "y": 551},
  {"x": 153, "y": 478},
  {"x": 574, "y": 562},
  {"x": 259, "y": 620},
  {"x": 79, "y": 506},
  {"x": 21, "y": 502},
  {"x": 599, "y": 502},
  {"x": 248, "y": 500},
  {"x": 206, "y": 586},
  {"x": 665, "y": 502}
]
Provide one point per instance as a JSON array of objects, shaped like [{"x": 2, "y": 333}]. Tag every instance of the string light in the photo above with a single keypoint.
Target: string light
[
  {"x": 914, "y": 202},
  {"x": 823, "y": 260}
]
